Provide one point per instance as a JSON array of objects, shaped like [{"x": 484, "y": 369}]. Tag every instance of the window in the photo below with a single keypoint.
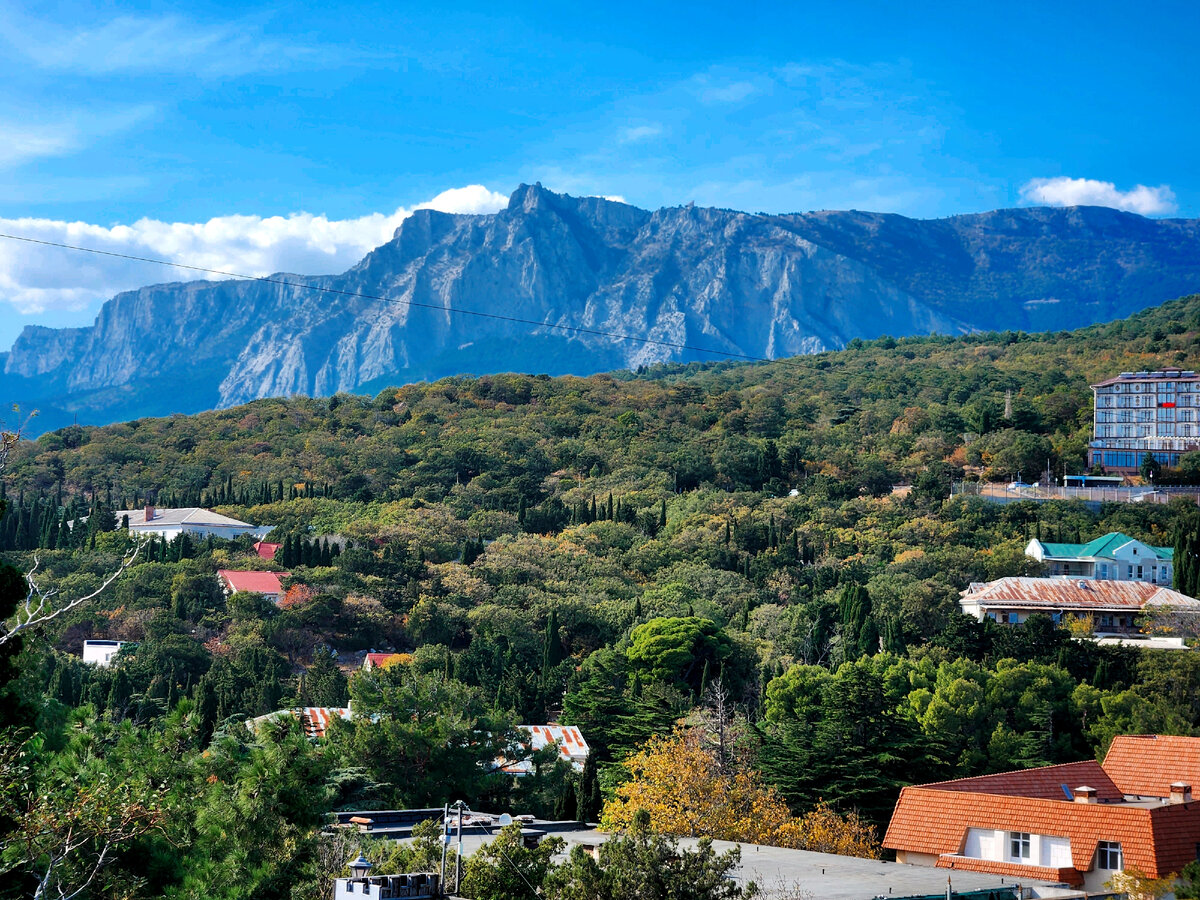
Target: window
[
  {"x": 1108, "y": 855},
  {"x": 1019, "y": 845}
]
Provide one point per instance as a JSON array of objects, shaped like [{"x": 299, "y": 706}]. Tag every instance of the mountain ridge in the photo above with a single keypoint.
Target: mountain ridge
[{"x": 733, "y": 282}]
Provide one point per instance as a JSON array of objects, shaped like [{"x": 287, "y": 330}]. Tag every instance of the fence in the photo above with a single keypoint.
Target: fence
[{"x": 1006, "y": 493}]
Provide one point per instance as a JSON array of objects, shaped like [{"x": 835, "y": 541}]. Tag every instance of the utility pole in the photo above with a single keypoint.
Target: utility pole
[
  {"x": 445, "y": 843},
  {"x": 458, "y": 862}
]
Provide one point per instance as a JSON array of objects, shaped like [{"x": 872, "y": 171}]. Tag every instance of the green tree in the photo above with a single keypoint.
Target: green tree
[
  {"x": 648, "y": 866},
  {"x": 677, "y": 650},
  {"x": 506, "y": 869},
  {"x": 325, "y": 684}
]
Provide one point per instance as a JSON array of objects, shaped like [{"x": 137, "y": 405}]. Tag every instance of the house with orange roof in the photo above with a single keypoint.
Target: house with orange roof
[{"x": 1077, "y": 823}]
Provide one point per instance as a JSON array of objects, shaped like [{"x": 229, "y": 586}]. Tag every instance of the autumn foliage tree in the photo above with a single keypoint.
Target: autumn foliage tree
[{"x": 678, "y": 782}]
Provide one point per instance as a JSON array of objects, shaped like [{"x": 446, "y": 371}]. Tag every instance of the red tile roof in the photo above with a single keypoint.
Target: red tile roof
[
  {"x": 1147, "y": 765},
  {"x": 266, "y": 549},
  {"x": 258, "y": 582},
  {"x": 375, "y": 660}
]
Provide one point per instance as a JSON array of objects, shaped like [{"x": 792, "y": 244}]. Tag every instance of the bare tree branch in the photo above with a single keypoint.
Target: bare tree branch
[{"x": 39, "y": 608}]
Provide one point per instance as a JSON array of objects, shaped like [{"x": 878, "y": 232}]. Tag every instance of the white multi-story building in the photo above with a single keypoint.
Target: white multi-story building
[{"x": 1140, "y": 413}]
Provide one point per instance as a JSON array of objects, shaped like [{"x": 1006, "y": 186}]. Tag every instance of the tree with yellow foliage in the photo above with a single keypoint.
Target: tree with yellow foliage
[
  {"x": 1137, "y": 885},
  {"x": 679, "y": 784}
]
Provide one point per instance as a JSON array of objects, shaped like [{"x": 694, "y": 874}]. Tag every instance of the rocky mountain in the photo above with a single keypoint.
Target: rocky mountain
[{"x": 712, "y": 280}]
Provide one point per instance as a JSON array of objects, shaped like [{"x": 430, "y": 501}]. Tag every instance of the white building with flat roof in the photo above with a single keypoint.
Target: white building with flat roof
[{"x": 101, "y": 653}]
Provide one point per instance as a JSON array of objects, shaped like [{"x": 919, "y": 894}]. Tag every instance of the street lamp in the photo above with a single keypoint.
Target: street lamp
[{"x": 359, "y": 867}]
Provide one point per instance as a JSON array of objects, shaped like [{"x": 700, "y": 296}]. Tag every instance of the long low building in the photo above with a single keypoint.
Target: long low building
[
  {"x": 1113, "y": 605},
  {"x": 191, "y": 520},
  {"x": 1078, "y": 823}
]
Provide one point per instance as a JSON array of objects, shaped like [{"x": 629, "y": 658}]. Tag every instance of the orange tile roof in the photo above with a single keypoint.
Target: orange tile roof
[
  {"x": 936, "y": 821},
  {"x": 1157, "y": 838},
  {"x": 1147, "y": 764},
  {"x": 1045, "y": 782},
  {"x": 1068, "y": 875}
]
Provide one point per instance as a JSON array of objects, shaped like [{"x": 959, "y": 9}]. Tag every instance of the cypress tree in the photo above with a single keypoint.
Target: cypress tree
[{"x": 552, "y": 648}]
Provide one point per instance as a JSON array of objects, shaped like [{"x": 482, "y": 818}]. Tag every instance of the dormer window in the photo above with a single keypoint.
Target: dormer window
[
  {"x": 1108, "y": 856},
  {"x": 1019, "y": 846}
]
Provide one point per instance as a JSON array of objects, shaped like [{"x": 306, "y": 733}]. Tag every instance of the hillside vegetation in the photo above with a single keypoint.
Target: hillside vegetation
[{"x": 717, "y": 544}]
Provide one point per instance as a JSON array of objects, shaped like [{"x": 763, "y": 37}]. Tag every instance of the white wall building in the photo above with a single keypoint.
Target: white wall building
[
  {"x": 192, "y": 520},
  {"x": 1113, "y": 557},
  {"x": 386, "y": 887},
  {"x": 101, "y": 653}
]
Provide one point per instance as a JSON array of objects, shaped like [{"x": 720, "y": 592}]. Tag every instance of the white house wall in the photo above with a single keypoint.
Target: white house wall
[{"x": 993, "y": 844}]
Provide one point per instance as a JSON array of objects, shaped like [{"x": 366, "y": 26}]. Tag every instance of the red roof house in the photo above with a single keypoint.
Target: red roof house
[
  {"x": 376, "y": 660},
  {"x": 266, "y": 549},
  {"x": 1077, "y": 823},
  {"x": 269, "y": 584}
]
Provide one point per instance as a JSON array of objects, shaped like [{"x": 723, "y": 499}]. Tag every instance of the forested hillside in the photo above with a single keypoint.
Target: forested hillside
[{"x": 714, "y": 543}]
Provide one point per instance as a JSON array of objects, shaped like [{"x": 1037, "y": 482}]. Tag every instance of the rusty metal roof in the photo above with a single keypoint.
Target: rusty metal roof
[{"x": 1072, "y": 593}]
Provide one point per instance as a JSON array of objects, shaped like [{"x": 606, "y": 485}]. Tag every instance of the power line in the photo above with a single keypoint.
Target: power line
[{"x": 574, "y": 329}]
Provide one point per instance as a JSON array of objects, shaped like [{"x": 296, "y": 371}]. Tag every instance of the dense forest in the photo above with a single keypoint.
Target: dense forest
[{"x": 718, "y": 545}]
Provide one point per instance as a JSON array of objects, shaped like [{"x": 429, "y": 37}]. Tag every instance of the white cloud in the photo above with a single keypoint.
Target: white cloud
[
  {"x": 728, "y": 93},
  {"x": 637, "y": 133},
  {"x": 1063, "y": 191},
  {"x": 25, "y": 142},
  {"x": 36, "y": 279},
  {"x": 29, "y": 136},
  {"x": 152, "y": 44}
]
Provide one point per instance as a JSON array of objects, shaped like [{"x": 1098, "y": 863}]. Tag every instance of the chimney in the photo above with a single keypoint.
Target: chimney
[
  {"x": 149, "y": 511},
  {"x": 1181, "y": 792},
  {"x": 1085, "y": 794}
]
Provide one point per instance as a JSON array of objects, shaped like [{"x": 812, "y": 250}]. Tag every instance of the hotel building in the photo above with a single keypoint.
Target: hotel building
[{"x": 1139, "y": 413}]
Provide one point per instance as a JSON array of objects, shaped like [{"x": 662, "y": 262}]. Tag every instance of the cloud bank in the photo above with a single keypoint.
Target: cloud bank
[
  {"x": 36, "y": 279},
  {"x": 1063, "y": 191}
]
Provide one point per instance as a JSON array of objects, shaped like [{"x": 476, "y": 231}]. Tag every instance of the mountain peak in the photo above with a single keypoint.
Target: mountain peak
[
  {"x": 530, "y": 197},
  {"x": 681, "y": 278}
]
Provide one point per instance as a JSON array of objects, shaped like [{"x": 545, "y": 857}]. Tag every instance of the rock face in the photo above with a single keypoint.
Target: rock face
[{"x": 709, "y": 279}]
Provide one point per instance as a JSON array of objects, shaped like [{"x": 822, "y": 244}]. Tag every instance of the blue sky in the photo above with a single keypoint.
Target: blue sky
[{"x": 294, "y": 137}]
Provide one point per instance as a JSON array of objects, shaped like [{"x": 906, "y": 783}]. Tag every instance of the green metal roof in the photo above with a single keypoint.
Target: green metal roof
[{"x": 1101, "y": 546}]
